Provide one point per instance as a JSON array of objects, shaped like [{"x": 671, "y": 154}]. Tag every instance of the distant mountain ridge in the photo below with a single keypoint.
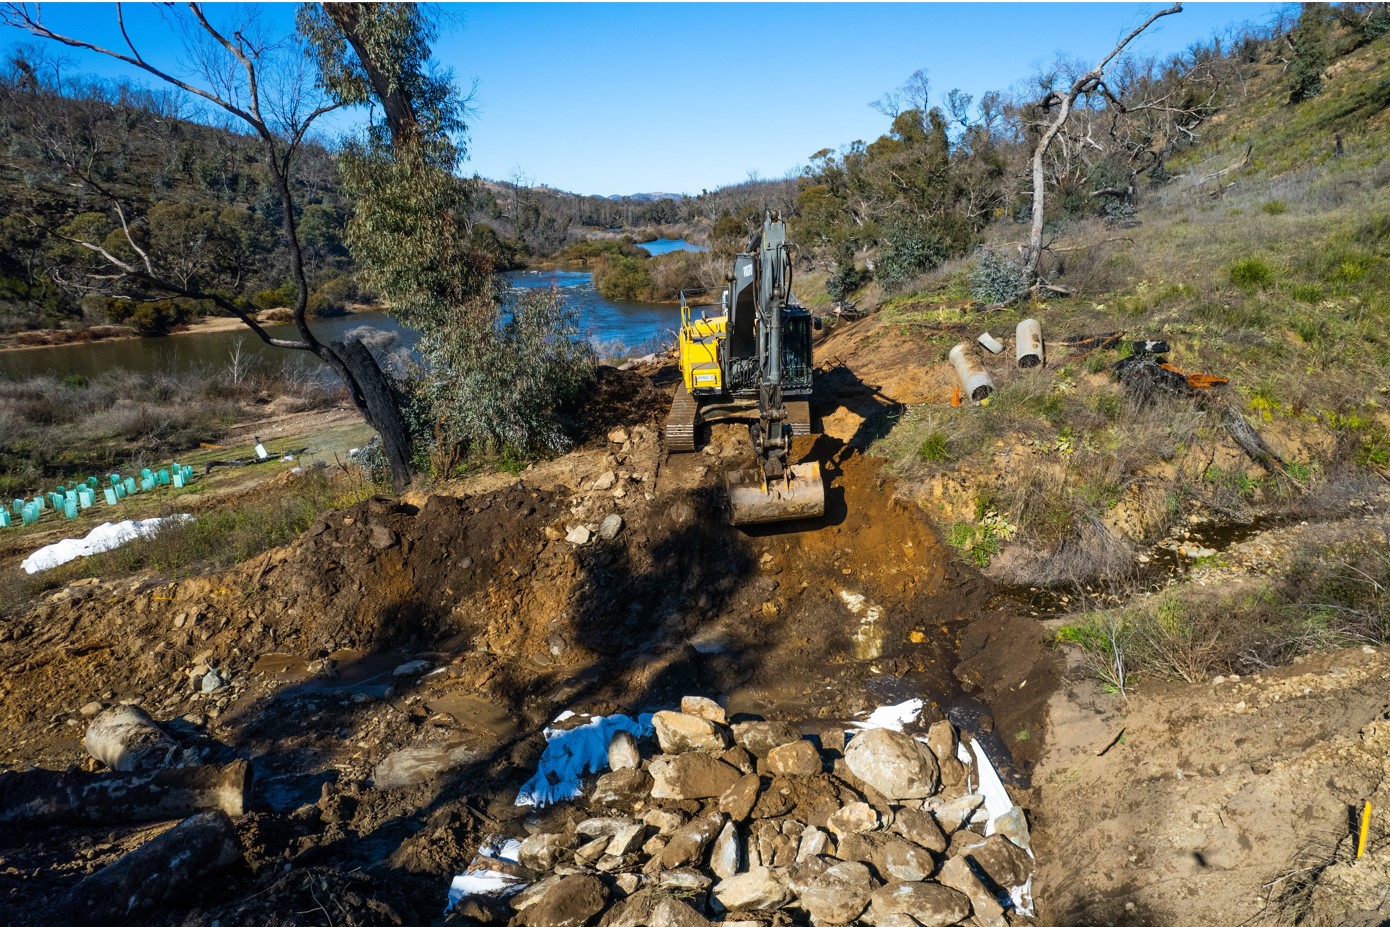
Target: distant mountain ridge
[{"x": 646, "y": 197}]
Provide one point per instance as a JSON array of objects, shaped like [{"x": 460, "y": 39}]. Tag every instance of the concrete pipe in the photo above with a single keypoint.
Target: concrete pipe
[
  {"x": 1028, "y": 344},
  {"x": 990, "y": 343},
  {"x": 126, "y": 739},
  {"x": 974, "y": 381}
]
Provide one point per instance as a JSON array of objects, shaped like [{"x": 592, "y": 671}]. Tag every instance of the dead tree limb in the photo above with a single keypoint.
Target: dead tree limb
[
  {"x": 1254, "y": 446},
  {"x": 1090, "y": 82},
  {"x": 151, "y": 876}
]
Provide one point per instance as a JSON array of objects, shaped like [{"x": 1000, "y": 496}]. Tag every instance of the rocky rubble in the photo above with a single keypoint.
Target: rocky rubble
[{"x": 753, "y": 823}]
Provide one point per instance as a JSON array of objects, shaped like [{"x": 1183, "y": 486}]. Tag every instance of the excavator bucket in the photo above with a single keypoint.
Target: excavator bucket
[{"x": 801, "y": 497}]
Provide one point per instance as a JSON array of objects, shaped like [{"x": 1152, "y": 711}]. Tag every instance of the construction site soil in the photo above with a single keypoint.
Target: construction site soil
[
  {"x": 515, "y": 622},
  {"x": 388, "y": 677}
]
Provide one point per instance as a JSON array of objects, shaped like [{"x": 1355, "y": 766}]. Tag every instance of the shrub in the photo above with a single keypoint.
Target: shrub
[
  {"x": 1274, "y": 207},
  {"x": 996, "y": 279},
  {"x": 912, "y": 247},
  {"x": 503, "y": 387},
  {"x": 619, "y": 276},
  {"x": 1251, "y": 273},
  {"x": 151, "y": 317},
  {"x": 846, "y": 280}
]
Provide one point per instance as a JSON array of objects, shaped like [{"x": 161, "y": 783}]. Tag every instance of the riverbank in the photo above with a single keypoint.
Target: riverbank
[{"x": 208, "y": 324}]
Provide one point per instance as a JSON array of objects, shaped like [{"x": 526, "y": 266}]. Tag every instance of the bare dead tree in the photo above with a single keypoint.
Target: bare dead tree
[
  {"x": 913, "y": 93},
  {"x": 1059, "y": 106},
  {"x": 248, "y": 76}
]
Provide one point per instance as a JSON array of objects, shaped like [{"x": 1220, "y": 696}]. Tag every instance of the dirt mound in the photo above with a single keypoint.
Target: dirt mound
[{"x": 388, "y": 674}]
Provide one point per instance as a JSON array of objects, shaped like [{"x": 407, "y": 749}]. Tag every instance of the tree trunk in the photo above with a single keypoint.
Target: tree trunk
[
  {"x": 372, "y": 394},
  {"x": 131, "y": 888},
  {"x": 42, "y": 797}
]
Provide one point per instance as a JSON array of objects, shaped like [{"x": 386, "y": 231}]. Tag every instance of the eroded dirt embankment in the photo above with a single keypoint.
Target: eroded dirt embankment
[{"x": 603, "y": 581}]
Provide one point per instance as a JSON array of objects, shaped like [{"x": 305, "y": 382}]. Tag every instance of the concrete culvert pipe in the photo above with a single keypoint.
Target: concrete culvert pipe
[
  {"x": 1028, "y": 344},
  {"x": 974, "y": 381},
  {"x": 126, "y": 739}
]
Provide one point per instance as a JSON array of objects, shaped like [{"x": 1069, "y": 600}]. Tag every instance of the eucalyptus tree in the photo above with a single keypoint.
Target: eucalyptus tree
[
  {"x": 497, "y": 373},
  {"x": 265, "y": 84}
]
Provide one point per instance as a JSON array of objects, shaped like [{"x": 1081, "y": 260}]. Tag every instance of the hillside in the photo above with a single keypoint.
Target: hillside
[{"x": 1156, "y": 605}]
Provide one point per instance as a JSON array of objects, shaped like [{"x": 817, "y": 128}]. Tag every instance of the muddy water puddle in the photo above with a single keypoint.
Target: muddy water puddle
[
  {"x": 346, "y": 672},
  {"x": 474, "y": 711}
]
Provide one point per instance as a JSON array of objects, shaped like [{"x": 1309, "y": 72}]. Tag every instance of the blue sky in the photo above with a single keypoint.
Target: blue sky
[{"x": 679, "y": 97}]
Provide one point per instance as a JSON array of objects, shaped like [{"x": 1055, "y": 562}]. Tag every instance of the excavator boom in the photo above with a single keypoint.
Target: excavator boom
[{"x": 774, "y": 491}]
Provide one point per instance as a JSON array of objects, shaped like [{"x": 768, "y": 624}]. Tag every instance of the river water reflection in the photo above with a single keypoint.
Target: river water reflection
[{"x": 607, "y": 323}]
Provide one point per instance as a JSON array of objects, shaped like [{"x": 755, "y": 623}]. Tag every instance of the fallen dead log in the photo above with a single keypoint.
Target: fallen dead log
[
  {"x": 127, "y": 739},
  {"x": 40, "y": 797},
  {"x": 1254, "y": 446},
  {"x": 156, "y": 873}
]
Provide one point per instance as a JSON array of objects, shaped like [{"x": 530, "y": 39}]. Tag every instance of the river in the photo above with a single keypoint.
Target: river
[{"x": 611, "y": 325}]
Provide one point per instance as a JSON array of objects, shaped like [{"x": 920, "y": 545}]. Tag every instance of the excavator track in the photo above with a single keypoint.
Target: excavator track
[
  {"x": 681, "y": 420},
  {"x": 799, "y": 417}
]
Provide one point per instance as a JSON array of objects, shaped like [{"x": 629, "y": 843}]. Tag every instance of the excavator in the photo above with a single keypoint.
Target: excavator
[{"x": 752, "y": 356}]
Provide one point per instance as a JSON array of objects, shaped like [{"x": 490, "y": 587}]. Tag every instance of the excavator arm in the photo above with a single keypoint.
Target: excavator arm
[{"x": 775, "y": 490}]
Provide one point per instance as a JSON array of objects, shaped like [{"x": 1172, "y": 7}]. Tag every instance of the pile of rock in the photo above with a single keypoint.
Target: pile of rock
[{"x": 751, "y": 822}]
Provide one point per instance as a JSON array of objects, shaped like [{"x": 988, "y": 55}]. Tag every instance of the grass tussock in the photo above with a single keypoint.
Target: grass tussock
[
  {"x": 51, "y": 427},
  {"x": 1329, "y": 598}
]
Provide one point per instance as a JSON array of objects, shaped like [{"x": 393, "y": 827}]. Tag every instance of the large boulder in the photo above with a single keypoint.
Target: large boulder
[
  {"x": 958, "y": 875},
  {"x": 944, "y": 743},
  {"x": 794, "y": 759},
  {"x": 687, "y": 846},
  {"x": 954, "y": 813},
  {"x": 726, "y": 856},
  {"x": 928, "y": 904},
  {"x": 544, "y": 851},
  {"x": 621, "y": 788},
  {"x": 896, "y": 765},
  {"x": 905, "y": 861},
  {"x": 997, "y": 857},
  {"x": 690, "y": 776},
  {"x": 837, "y": 895},
  {"x": 652, "y": 907},
  {"x": 623, "y": 752},
  {"x": 682, "y": 733},
  {"x": 759, "y": 737},
  {"x": 921, "y": 828},
  {"x": 737, "y": 800},
  {"x": 701, "y": 707},
  {"x": 761, "y": 888},
  {"x": 854, "y": 818},
  {"x": 573, "y": 901}
]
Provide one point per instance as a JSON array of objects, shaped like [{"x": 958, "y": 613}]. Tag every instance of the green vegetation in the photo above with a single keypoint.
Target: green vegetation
[
  {"x": 218, "y": 538},
  {"x": 1330, "y": 598},
  {"x": 51, "y": 429}
]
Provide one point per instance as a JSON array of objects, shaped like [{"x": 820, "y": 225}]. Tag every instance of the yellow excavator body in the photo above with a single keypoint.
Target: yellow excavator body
[{"x": 752, "y": 355}]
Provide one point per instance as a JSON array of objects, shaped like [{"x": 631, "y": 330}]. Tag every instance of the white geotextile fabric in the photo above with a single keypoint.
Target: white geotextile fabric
[
  {"x": 478, "y": 879},
  {"x": 101, "y": 538},
  {"x": 573, "y": 750}
]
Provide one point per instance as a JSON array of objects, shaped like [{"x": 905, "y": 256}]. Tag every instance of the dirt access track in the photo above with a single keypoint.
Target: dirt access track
[{"x": 388, "y": 676}]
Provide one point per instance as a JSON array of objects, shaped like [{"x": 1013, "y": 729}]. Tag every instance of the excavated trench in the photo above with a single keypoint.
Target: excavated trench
[{"x": 425, "y": 642}]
